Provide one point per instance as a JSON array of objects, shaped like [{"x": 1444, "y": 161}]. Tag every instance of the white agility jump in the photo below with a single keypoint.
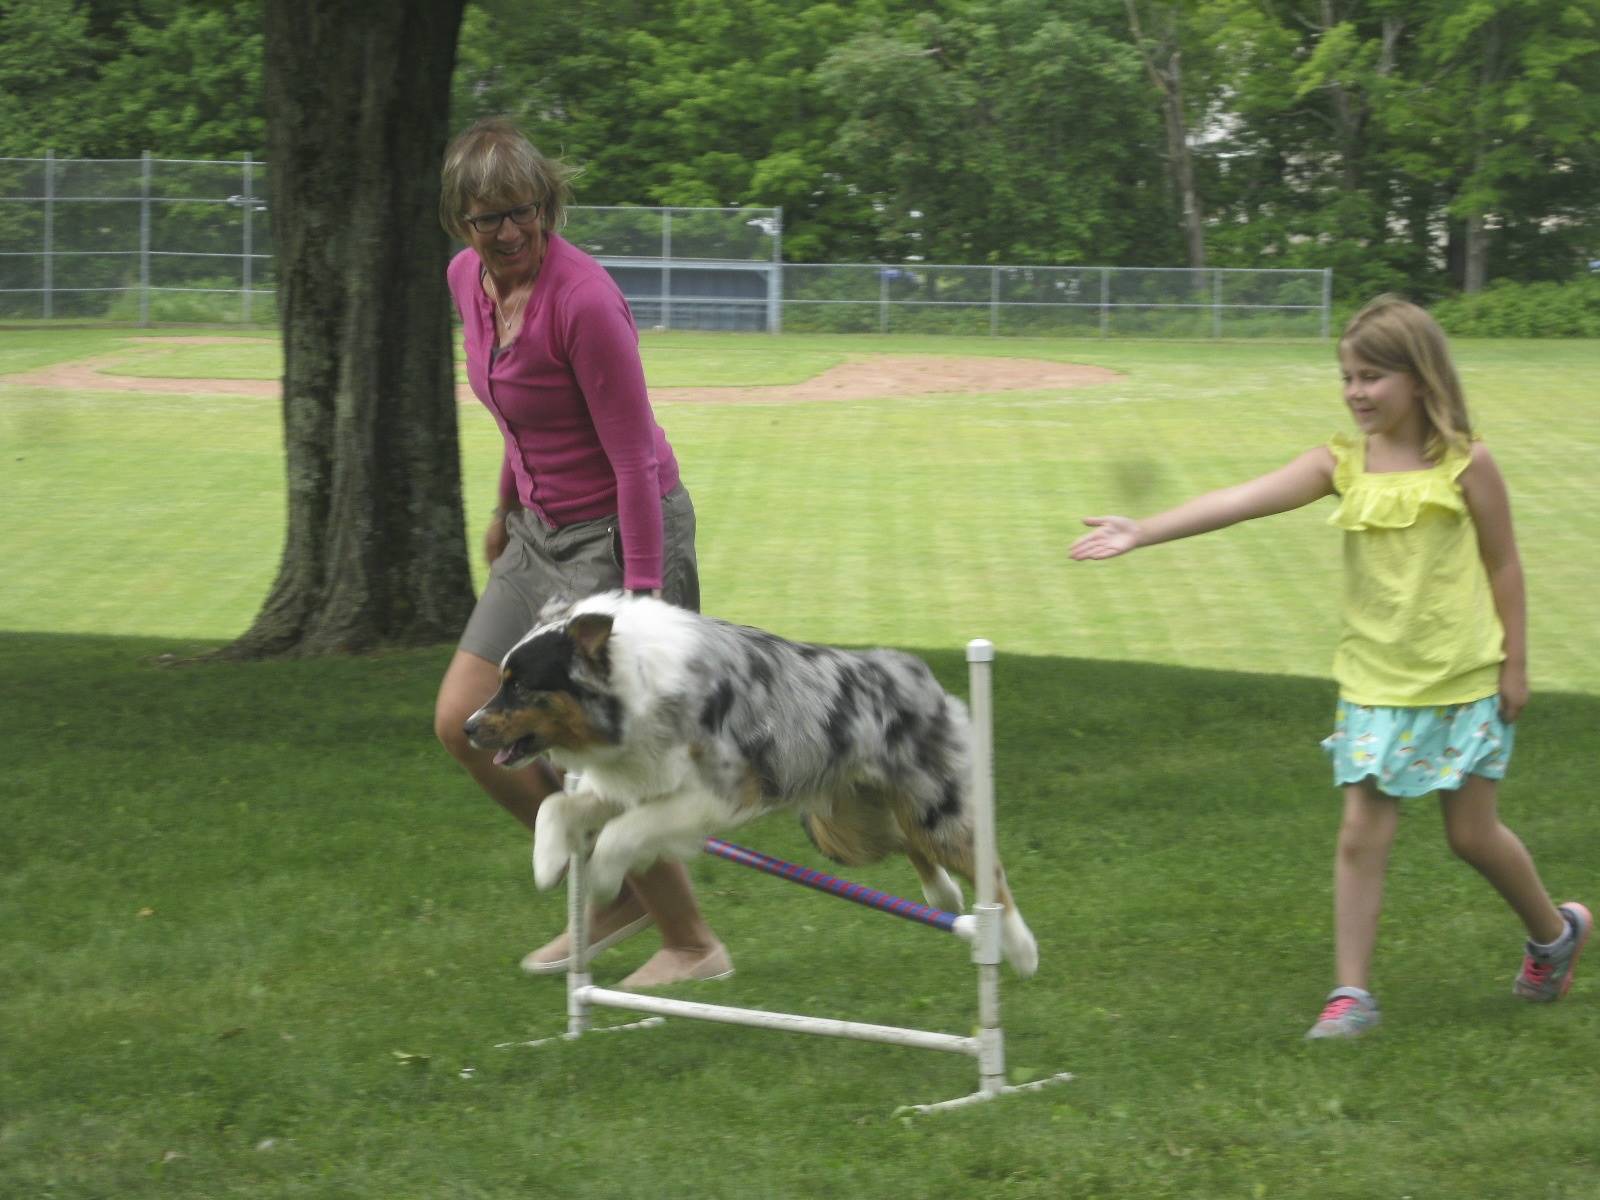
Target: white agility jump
[{"x": 981, "y": 929}]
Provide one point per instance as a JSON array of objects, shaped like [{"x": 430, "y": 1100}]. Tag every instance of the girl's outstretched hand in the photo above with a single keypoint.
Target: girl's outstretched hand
[{"x": 1107, "y": 538}]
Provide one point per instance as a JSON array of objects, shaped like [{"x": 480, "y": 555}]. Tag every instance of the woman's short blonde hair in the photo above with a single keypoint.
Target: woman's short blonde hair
[
  {"x": 493, "y": 162},
  {"x": 1394, "y": 334}
]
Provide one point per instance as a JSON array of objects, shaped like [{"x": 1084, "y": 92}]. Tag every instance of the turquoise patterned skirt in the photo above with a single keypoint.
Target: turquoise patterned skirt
[{"x": 1414, "y": 751}]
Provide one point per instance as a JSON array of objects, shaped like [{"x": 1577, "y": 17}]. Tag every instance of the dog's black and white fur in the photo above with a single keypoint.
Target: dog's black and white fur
[{"x": 680, "y": 725}]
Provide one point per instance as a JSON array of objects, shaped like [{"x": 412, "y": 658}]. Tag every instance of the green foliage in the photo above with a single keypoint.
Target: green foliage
[
  {"x": 1405, "y": 146},
  {"x": 203, "y": 302},
  {"x": 1011, "y": 132},
  {"x": 702, "y": 102},
  {"x": 179, "y": 78},
  {"x": 1525, "y": 310},
  {"x": 45, "y": 55},
  {"x": 186, "y": 82}
]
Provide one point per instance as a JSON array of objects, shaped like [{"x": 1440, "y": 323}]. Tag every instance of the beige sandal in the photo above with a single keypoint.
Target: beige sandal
[{"x": 540, "y": 962}]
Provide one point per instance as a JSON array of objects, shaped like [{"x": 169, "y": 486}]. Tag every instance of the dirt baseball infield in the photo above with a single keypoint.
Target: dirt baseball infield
[{"x": 861, "y": 377}]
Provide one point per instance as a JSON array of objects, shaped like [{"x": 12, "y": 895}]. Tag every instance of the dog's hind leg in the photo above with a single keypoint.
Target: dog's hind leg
[
  {"x": 1017, "y": 943},
  {"x": 938, "y": 888},
  {"x": 942, "y": 836}
]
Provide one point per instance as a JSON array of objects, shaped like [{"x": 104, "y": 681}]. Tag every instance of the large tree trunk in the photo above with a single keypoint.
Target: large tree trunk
[{"x": 357, "y": 100}]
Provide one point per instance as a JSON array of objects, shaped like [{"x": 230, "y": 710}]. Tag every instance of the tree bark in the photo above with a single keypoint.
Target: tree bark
[
  {"x": 1475, "y": 267},
  {"x": 1167, "y": 78},
  {"x": 357, "y": 95}
]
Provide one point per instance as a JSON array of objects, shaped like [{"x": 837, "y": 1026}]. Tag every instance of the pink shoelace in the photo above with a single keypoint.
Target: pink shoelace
[
  {"x": 1536, "y": 971},
  {"x": 1335, "y": 1009}
]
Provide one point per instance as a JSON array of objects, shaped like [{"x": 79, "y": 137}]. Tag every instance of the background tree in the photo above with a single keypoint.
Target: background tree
[
  {"x": 1158, "y": 35},
  {"x": 1508, "y": 101},
  {"x": 185, "y": 82},
  {"x": 693, "y": 102},
  {"x": 357, "y": 96},
  {"x": 46, "y": 52},
  {"x": 1015, "y": 131},
  {"x": 1425, "y": 145}
]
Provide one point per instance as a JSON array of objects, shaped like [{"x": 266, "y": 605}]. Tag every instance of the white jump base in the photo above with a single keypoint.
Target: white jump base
[{"x": 981, "y": 928}]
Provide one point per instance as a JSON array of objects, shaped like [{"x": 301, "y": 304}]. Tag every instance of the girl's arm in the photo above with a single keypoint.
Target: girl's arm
[
  {"x": 1490, "y": 505},
  {"x": 1293, "y": 485}
]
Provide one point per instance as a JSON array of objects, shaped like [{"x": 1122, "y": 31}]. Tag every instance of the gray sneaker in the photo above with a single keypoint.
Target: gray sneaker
[
  {"x": 1348, "y": 1013},
  {"x": 1546, "y": 978}
]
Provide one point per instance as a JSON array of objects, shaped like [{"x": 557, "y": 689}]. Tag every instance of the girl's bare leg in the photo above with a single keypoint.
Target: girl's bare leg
[
  {"x": 1473, "y": 828},
  {"x": 1360, "y": 864}
]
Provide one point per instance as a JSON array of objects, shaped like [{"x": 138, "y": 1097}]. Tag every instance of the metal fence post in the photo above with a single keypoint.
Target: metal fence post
[
  {"x": 775, "y": 276},
  {"x": 666, "y": 269},
  {"x": 994, "y": 301},
  {"x": 1327, "y": 300},
  {"x": 247, "y": 276},
  {"x": 1105, "y": 301},
  {"x": 144, "y": 238},
  {"x": 1216, "y": 303},
  {"x": 49, "y": 232},
  {"x": 883, "y": 300}
]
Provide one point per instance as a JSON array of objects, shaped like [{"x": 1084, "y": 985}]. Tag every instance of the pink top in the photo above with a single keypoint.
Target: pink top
[{"x": 569, "y": 396}]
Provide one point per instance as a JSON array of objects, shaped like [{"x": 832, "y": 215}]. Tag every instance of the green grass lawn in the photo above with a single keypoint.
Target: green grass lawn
[
  {"x": 913, "y": 521},
  {"x": 261, "y": 934}
]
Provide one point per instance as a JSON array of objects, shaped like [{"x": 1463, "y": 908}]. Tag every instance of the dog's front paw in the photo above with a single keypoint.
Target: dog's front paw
[
  {"x": 604, "y": 880},
  {"x": 552, "y": 851}
]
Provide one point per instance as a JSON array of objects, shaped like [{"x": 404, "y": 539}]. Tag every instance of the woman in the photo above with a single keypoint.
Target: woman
[{"x": 589, "y": 495}]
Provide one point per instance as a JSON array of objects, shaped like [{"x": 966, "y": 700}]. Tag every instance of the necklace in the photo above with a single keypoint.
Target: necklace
[{"x": 505, "y": 320}]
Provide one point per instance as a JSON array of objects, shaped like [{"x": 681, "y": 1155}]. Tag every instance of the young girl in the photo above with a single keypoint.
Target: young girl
[{"x": 1431, "y": 662}]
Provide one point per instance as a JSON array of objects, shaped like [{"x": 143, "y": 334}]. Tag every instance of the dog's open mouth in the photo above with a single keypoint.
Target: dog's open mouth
[{"x": 519, "y": 753}]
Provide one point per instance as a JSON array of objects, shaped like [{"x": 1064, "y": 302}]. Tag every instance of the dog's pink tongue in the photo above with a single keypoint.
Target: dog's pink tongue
[{"x": 502, "y": 757}]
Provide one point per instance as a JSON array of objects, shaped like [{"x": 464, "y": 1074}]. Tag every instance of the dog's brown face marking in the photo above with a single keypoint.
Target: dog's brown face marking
[
  {"x": 557, "y": 719},
  {"x": 538, "y": 705},
  {"x": 548, "y": 718}
]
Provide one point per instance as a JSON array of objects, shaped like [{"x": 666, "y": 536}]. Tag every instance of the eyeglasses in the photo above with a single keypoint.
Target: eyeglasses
[{"x": 523, "y": 214}]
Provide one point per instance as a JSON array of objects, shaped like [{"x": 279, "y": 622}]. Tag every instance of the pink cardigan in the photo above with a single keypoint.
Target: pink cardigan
[{"x": 569, "y": 396}]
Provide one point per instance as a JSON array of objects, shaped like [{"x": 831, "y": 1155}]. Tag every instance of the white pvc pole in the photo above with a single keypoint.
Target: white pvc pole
[
  {"x": 577, "y": 941},
  {"x": 792, "y": 1022},
  {"x": 986, "y": 949}
]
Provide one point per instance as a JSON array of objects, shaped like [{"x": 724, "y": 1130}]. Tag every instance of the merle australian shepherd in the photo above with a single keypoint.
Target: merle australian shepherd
[{"x": 679, "y": 725}]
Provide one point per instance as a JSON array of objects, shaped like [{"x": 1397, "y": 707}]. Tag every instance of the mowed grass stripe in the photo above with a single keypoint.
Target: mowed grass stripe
[{"x": 911, "y": 520}]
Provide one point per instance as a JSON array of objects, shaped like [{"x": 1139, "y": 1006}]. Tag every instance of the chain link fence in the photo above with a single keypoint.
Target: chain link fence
[{"x": 161, "y": 241}]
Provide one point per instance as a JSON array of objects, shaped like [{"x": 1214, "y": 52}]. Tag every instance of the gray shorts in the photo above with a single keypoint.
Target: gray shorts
[{"x": 540, "y": 565}]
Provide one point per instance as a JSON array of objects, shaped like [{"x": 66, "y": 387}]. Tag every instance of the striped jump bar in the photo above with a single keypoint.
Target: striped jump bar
[{"x": 823, "y": 882}]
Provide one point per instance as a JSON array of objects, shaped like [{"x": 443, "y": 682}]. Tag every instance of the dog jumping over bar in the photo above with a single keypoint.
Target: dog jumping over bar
[{"x": 680, "y": 725}]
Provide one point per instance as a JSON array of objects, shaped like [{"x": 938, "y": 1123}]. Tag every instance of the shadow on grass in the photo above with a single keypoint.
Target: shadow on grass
[{"x": 254, "y": 905}]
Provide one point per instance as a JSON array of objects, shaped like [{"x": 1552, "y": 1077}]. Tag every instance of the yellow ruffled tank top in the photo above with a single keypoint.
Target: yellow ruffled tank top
[{"x": 1419, "y": 621}]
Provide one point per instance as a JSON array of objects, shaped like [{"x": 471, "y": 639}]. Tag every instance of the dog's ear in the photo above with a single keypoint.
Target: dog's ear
[{"x": 590, "y": 631}]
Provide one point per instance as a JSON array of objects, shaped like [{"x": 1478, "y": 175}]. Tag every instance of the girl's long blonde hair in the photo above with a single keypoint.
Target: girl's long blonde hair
[{"x": 1393, "y": 334}]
